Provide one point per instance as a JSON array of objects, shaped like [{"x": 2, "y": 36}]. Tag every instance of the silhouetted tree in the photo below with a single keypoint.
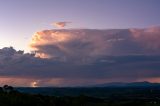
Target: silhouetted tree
[
  {"x": 1, "y": 89},
  {"x": 8, "y": 89}
]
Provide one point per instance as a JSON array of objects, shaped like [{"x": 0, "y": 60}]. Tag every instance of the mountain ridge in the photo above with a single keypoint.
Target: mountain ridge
[{"x": 127, "y": 84}]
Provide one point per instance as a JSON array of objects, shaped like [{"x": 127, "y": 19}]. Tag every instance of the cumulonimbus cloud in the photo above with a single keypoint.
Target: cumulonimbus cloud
[
  {"x": 70, "y": 57},
  {"x": 83, "y": 44}
]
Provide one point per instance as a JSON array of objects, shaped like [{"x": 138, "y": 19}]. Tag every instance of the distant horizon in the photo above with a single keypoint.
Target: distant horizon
[{"x": 91, "y": 86}]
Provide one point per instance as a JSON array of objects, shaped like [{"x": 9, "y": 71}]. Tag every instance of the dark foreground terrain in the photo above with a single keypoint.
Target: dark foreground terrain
[{"x": 97, "y": 96}]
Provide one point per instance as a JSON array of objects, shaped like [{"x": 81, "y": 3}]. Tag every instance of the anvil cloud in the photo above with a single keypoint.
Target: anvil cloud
[{"x": 80, "y": 44}]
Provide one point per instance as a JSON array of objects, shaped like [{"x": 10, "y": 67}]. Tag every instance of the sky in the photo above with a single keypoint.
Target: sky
[
  {"x": 20, "y": 19},
  {"x": 60, "y": 33}
]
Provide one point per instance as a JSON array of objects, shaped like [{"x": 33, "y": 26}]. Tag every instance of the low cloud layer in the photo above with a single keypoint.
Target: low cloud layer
[{"x": 72, "y": 57}]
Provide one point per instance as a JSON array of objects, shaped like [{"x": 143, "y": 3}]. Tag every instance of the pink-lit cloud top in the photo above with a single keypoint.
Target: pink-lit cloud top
[
  {"x": 93, "y": 43},
  {"x": 71, "y": 57}
]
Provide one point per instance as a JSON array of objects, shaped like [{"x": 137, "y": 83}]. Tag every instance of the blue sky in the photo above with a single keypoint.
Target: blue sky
[{"x": 20, "y": 19}]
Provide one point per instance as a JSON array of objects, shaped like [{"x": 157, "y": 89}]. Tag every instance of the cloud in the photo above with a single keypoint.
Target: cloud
[
  {"x": 75, "y": 44},
  {"x": 89, "y": 44},
  {"x": 61, "y": 24},
  {"x": 148, "y": 39},
  {"x": 72, "y": 57},
  {"x": 34, "y": 71}
]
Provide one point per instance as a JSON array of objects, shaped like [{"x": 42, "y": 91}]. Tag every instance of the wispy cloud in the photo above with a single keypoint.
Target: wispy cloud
[{"x": 61, "y": 24}]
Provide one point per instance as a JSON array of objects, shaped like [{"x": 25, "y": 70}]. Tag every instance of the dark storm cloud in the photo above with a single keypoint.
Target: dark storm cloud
[
  {"x": 85, "y": 56},
  {"x": 109, "y": 66}
]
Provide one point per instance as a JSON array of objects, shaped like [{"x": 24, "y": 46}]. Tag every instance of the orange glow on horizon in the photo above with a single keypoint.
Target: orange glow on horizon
[{"x": 34, "y": 84}]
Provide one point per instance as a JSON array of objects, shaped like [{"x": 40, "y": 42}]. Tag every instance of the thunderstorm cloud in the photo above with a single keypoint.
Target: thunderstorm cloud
[{"x": 71, "y": 57}]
